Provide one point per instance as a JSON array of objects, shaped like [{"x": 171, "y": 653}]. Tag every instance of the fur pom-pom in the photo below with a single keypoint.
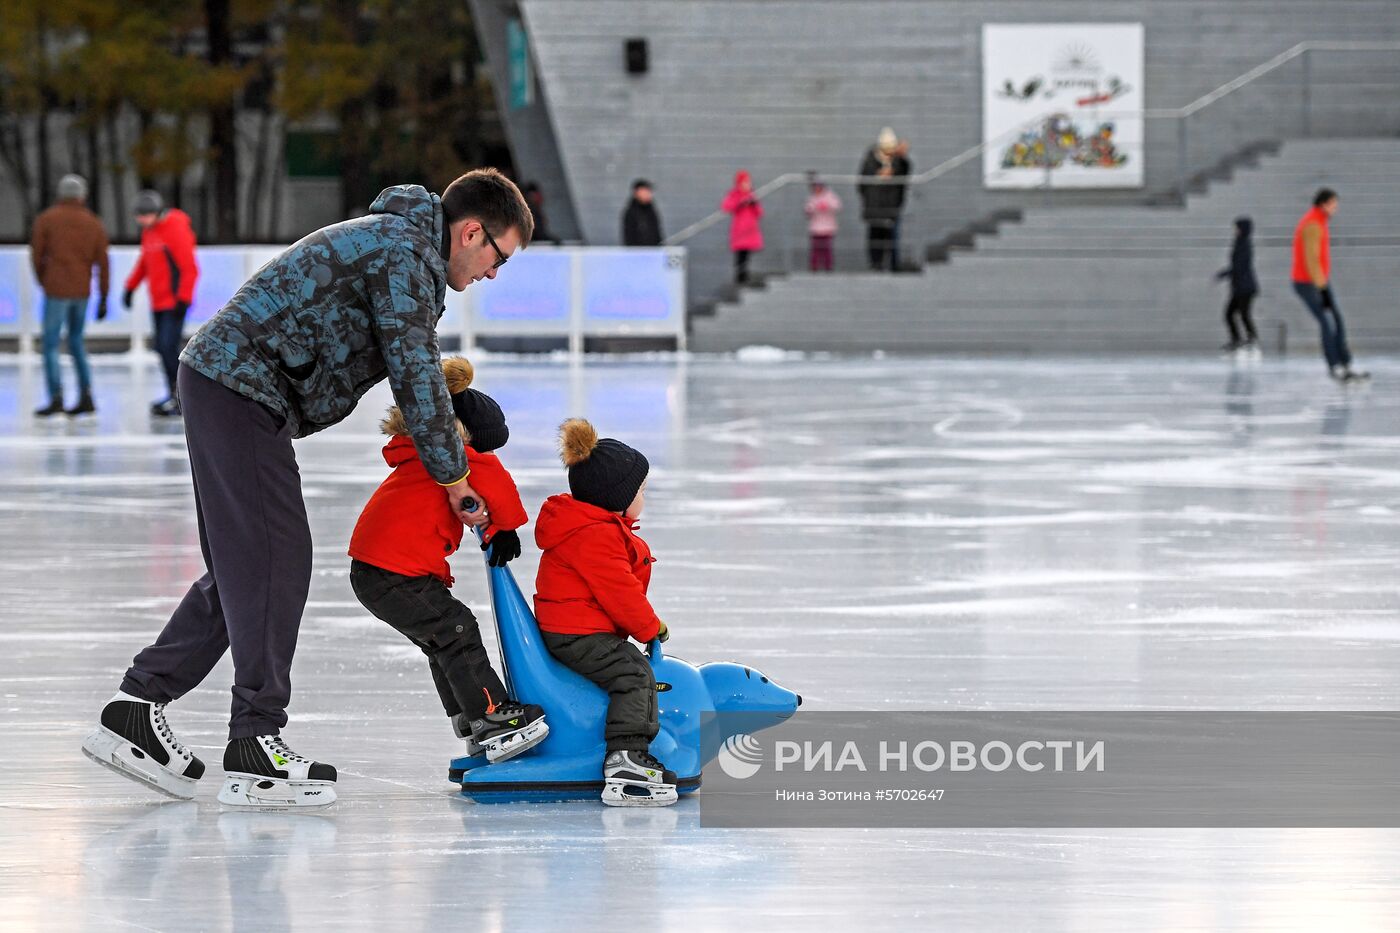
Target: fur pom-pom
[
  {"x": 459, "y": 374},
  {"x": 577, "y": 438}
]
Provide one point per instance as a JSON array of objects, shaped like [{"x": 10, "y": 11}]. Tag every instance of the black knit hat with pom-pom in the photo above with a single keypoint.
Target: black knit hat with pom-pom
[{"x": 606, "y": 473}]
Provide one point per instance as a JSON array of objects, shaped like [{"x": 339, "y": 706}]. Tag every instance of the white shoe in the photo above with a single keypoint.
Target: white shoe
[
  {"x": 263, "y": 771},
  {"x": 135, "y": 741}
]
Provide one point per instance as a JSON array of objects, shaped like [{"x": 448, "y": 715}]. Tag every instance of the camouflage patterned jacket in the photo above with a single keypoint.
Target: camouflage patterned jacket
[{"x": 316, "y": 327}]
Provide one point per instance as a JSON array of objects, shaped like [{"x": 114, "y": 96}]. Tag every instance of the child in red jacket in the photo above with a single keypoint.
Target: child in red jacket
[
  {"x": 399, "y": 569},
  {"x": 591, "y": 594}
]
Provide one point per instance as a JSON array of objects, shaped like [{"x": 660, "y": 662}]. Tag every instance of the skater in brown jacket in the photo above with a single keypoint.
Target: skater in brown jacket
[{"x": 67, "y": 241}]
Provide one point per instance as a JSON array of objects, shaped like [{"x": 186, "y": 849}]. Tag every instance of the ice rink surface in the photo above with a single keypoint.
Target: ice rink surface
[{"x": 1152, "y": 534}]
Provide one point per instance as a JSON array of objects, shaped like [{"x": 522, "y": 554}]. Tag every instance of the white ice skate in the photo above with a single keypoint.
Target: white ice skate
[
  {"x": 636, "y": 779},
  {"x": 135, "y": 741},
  {"x": 263, "y": 772},
  {"x": 508, "y": 730}
]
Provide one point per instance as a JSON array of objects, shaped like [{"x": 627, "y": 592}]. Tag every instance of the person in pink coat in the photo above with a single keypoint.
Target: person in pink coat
[
  {"x": 822, "y": 207},
  {"x": 745, "y": 234}
]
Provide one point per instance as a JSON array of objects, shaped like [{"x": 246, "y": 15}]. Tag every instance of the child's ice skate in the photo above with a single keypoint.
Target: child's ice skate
[
  {"x": 508, "y": 730},
  {"x": 636, "y": 779},
  {"x": 135, "y": 741},
  {"x": 262, "y": 771},
  {"x": 462, "y": 728}
]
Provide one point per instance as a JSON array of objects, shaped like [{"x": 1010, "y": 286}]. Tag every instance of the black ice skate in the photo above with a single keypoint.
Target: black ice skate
[
  {"x": 636, "y": 779},
  {"x": 462, "y": 727},
  {"x": 135, "y": 741},
  {"x": 509, "y": 729},
  {"x": 262, "y": 771}
]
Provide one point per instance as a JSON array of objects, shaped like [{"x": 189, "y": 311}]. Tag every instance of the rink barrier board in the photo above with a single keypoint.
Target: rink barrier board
[{"x": 569, "y": 292}]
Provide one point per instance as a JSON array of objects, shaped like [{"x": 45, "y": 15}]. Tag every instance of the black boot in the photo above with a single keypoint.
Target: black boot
[
  {"x": 84, "y": 406},
  {"x": 54, "y": 407}
]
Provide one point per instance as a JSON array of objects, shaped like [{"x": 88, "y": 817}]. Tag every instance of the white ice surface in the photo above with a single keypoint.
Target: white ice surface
[{"x": 892, "y": 534}]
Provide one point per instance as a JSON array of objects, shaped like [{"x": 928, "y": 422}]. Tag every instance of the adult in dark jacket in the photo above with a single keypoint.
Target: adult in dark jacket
[
  {"x": 534, "y": 196},
  {"x": 881, "y": 203},
  {"x": 641, "y": 224},
  {"x": 289, "y": 355},
  {"x": 1243, "y": 287}
]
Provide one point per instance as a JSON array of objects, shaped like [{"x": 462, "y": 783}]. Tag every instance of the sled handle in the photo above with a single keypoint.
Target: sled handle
[
  {"x": 471, "y": 506},
  {"x": 654, "y": 650}
]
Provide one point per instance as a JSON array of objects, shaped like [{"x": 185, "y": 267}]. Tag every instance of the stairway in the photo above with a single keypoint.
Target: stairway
[{"x": 1109, "y": 279}]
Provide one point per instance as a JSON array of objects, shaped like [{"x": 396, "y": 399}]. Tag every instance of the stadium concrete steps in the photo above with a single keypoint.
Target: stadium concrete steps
[{"x": 1129, "y": 279}]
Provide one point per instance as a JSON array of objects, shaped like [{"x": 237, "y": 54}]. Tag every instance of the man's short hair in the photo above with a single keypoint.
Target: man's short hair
[
  {"x": 1323, "y": 196},
  {"x": 487, "y": 196},
  {"x": 640, "y": 183}
]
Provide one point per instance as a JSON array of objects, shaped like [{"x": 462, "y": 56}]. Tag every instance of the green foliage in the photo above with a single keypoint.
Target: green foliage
[{"x": 396, "y": 78}]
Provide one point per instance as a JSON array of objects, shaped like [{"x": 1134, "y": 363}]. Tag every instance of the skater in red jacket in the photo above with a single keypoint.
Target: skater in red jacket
[
  {"x": 167, "y": 266},
  {"x": 399, "y": 569},
  {"x": 591, "y": 595}
]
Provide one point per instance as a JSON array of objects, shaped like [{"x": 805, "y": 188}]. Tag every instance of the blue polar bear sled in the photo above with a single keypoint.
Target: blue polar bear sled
[{"x": 700, "y": 707}]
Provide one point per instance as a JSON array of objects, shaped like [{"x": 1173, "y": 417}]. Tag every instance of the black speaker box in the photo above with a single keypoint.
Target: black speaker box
[{"x": 635, "y": 54}]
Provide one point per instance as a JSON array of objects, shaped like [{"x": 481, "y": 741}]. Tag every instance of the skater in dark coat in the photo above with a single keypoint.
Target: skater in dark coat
[
  {"x": 291, "y": 354},
  {"x": 1243, "y": 287}
]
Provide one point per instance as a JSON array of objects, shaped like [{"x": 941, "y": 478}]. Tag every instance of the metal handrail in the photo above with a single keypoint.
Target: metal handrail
[{"x": 943, "y": 168}]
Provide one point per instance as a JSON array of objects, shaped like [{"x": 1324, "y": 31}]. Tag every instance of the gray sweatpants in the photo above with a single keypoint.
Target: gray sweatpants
[
  {"x": 257, "y": 551},
  {"x": 615, "y": 664}
]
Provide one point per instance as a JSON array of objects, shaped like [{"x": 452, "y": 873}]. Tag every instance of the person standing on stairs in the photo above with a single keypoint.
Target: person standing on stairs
[
  {"x": 881, "y": 203},
  {"x": 1243, "y": 287},
  {"x": 822, "y": 207},
  {"x": 66, "y": 242},
  {"x": 1312, "y": 280},
  {"x": 745, "y": 233}
]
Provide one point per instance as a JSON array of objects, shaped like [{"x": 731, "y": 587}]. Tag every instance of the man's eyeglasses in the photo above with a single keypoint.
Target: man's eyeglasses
[{"x": 501, "y": 258}]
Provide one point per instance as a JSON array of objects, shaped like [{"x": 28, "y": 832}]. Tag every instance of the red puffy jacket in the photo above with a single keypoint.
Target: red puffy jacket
[
  {"x": 408, "y": 527},
  {"x": 593, "y": 573},
  {"x": 167, "y": 261}
]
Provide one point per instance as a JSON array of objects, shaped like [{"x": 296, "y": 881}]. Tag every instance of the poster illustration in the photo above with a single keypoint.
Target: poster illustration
[{"x": 1062, "y": 105}]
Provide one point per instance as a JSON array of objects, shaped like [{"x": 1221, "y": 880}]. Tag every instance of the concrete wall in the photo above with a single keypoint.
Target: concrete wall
[{"x": 778, "y": 85}]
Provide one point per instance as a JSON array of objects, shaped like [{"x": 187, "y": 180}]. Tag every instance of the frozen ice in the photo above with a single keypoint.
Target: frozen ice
[{"x": 935, "y": 534}]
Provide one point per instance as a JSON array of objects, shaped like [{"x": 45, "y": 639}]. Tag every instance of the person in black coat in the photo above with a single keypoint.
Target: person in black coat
[
  {"x": 881, "y": 204},
  {"x": 641, "y": 224},
  {"x": 1243, "y": 287}
]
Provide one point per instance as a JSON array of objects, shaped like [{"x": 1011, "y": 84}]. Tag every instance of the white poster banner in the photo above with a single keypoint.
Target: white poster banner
[{"x": 1062, "y": 105}]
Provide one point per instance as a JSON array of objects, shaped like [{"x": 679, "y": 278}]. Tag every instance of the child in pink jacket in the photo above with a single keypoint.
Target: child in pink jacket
[
  {"x": 822, "y": 207},
  {"x": 745, "y": 235}
]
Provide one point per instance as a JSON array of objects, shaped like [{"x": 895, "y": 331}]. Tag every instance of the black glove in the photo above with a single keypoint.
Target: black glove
[
  {"x": 126, "y": 299},
  {"x": 181, "y": 307},
  {"x": 102, "y": 308},
  {"x": 505, "y": 547}
]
